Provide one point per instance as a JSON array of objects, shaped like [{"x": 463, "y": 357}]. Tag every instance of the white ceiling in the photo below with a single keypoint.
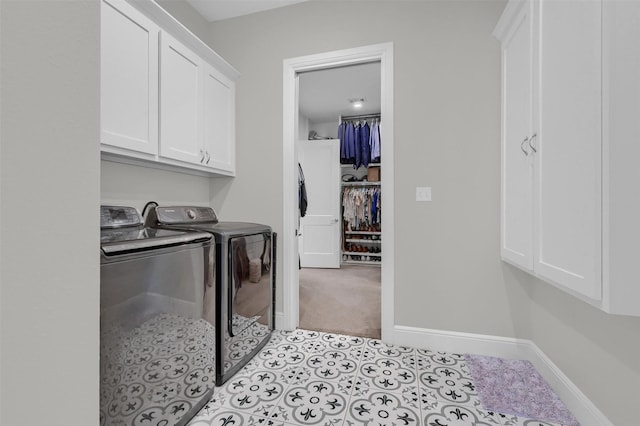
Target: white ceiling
[
  {"x": 216, "y": 10},
  {"x": 325, "y": 94}
]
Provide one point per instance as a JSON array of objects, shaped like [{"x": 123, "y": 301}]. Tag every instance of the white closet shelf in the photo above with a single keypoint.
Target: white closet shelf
[
  {"x": 369, "y": 165},
  {"x": 363, "y": 232},
  {"x": 360, "y": 183},
  {"x": 361, "y": 262},
  {"x": 359, "y": 240}
]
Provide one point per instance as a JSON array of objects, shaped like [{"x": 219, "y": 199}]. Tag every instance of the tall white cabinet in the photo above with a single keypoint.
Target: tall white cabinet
[
  {"x": 561, "y": 65},
  {"x": 168, "y": 100},
  {"x": 517, "y": 130},
  {"x": 568, "y": 178}
]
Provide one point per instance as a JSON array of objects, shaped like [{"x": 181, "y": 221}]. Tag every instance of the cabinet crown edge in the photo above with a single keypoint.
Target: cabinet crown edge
[
  {"x": 505, "y": 21},
  {"x": 170, "y": 24}
]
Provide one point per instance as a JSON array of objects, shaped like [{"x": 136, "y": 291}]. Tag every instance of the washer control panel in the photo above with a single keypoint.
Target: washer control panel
[{"x": 119, "y": 216}]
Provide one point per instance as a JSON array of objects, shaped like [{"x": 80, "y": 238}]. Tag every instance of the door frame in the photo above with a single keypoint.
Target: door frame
[{"x": 383, "y": 53}]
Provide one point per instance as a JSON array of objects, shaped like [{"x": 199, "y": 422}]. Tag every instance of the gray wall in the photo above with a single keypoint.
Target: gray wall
[
  {"x": 447, "y": 136},
  {"x": 129, "y": 185},
  {"x": 49, "y": 188},
  {"x": 447, "y": 108},
  {"x": 188, "y": 16},
  {"x": 600, "y": 353}
]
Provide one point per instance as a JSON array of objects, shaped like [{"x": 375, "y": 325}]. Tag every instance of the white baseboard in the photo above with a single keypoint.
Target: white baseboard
[
  {"x": 449, "y": 341},
  {"x": 280, "y": 321},
  {"x": 455, "y": 342},
  {"x": 581, "y": 406}
]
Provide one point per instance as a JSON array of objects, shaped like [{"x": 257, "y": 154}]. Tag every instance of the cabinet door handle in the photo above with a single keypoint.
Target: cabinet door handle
[
  {"x": 531, "y": 144},
  {"x": 208, "y": 157},
  {"x": 522, "y": 146},
  {"x": 201, "y": 156}
]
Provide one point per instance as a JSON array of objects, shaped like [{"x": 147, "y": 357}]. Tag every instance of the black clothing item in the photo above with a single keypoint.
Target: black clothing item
[{"x": 302, "y": 193}]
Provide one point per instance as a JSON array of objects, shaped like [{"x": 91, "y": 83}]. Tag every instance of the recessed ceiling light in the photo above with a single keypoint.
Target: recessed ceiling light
[{"x": 357, "y": 103}]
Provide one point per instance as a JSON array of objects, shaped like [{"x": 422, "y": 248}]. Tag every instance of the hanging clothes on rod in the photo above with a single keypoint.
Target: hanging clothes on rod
[
  {"x": 361, "y": 207},
  {"x": 374, "y": 143},
  {"x": 359, "y": 141}
]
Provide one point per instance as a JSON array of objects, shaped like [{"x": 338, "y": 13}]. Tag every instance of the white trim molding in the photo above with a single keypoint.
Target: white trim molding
[
  {"x": 279, "y": 319},
  {"x": 382, "y": 53},
  {"x": 449, "y": 341},
  {"x": 456, "y": 342}
]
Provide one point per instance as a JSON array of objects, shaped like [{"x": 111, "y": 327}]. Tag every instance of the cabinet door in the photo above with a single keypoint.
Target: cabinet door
[
  {"x": 568, "y": 163},
  {"x": 516, "y": 194},
  {"x": 129, "y": 78},
  {"x": 219, "y": 121},
  {"x": 180, "y": 102}
]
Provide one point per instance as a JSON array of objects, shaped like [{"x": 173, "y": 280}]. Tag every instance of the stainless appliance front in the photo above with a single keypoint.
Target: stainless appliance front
[
  {"x": 245, "y": 277},
  {"x": 157, "y": 349}
]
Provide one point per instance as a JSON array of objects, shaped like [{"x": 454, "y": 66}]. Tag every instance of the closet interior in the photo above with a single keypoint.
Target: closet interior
[
  {"x": 340, "y": 238},
  {"x": 361, "y": 195}
]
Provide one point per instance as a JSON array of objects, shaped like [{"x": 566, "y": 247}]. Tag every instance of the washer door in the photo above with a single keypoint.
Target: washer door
[{"x": 154, "y": 334}]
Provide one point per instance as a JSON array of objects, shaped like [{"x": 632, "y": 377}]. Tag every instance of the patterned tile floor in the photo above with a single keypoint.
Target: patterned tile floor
[{"x": 312, "y": 378}]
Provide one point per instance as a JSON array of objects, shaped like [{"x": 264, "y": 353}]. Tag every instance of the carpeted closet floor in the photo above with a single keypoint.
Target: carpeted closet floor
[{"x": 343, "y": 301}]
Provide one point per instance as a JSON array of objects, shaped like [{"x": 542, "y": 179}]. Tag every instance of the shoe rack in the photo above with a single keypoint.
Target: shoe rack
[{"x": 362, "y": 246}]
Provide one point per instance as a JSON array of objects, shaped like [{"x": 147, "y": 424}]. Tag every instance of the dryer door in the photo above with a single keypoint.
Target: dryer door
[{"x": 250, "y": 294}]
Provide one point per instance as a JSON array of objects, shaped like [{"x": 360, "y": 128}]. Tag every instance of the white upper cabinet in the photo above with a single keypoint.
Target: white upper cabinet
[
  {"x": 168, "y": 100},
  {"x": 180, "y": 102},
  {"x": 197, "y": 107},
  {"x": 129, "y": 95},
  {"x": 219, "y": 119},
  {"x": 570, "y": 109}
]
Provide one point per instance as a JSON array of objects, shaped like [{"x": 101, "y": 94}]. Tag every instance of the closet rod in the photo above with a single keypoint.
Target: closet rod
[{"x": 359, "y": 117}]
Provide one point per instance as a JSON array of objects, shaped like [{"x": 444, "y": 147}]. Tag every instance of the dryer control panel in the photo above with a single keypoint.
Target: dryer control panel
[{"x": 185, "y": 214}]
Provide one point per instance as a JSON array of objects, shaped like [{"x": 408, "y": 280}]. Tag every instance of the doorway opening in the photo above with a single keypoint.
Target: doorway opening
[
  {"x": 292, "y": 129},
  {"x": 340, "y": 226}
]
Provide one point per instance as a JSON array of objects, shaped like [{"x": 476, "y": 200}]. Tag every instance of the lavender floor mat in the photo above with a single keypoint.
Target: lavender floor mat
[{"x": 513, "y": 386}]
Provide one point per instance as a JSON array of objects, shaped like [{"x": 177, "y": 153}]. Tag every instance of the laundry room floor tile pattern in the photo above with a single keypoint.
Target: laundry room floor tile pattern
[{"x": 322, "y": 379}]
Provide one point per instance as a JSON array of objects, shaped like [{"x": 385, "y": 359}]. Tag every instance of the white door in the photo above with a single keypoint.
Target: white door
[
  {"x": 129, "y": 78},
  {"x": 180, "y": 102},
  {"x": 568, "y": 162},
  {"x": 320, "y": 228},
  {"x": 517, "y": 192}
]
